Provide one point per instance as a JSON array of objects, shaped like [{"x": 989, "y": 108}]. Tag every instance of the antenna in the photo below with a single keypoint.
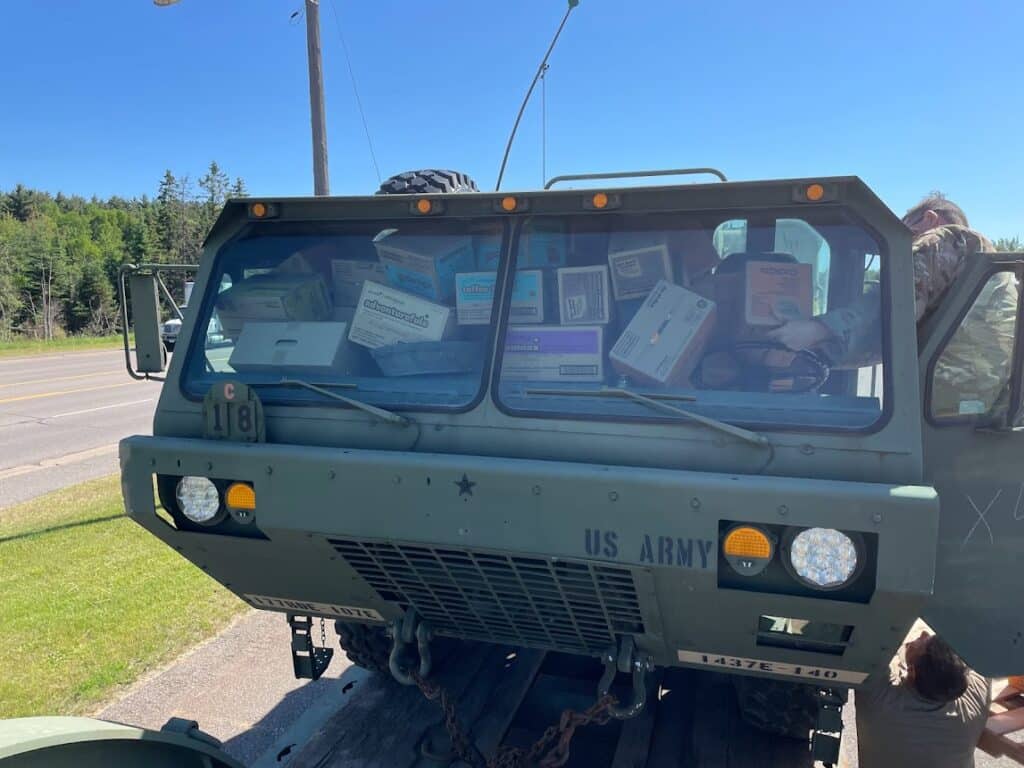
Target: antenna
[{"x": 529, "y": 92}]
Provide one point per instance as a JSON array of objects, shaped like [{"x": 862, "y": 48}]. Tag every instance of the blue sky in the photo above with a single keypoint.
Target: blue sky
[{"x": 102, "y": 96}]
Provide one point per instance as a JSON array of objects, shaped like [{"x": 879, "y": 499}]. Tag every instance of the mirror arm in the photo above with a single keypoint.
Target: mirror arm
[{"x": 122, "y": 296}]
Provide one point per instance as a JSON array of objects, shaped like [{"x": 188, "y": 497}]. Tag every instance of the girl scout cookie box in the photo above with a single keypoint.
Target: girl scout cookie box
[
  {"x": 474, "y": 297},
  {"x": 553, "y": 353},
  {"x": 583, "y": 295},
  {"x": 273, "y": 296},
  {"x": 387, "y": 316},
  {"x": 423, "y": 264},
  {"x": 637, "y": 260},
  {"x": 666, "y": 337}
]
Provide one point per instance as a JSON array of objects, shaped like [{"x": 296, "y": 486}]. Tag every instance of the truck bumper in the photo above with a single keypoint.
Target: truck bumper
[{"x": 548, "y": 554}]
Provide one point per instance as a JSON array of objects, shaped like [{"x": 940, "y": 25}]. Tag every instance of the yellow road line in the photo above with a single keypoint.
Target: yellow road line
[
  {"x": 63, "y": 378},
  {"x": 64, "y": 392}
]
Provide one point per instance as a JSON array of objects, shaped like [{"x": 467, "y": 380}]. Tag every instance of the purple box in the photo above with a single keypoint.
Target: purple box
[{"x": 554, "y": 353}]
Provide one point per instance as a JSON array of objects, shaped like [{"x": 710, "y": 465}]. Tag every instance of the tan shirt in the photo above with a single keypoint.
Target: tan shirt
[{"x": 898, "y": 728}]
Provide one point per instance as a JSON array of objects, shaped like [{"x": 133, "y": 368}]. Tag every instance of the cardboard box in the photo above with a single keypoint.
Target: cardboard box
[
  {"x": 297, "y": 348},
  {"x": 777, "y": 292},
  {"x": 635, "y": 273},
  {"x": 387, "y": 316},
  {"x": 348, "y": 277},
  {"x": 543, "y": 244},
  {"x": 666, "y": 337},
  {"x": 583, "y": 295},
  {"x": 474, "y": 297},
  {"x": 487, "y": 249},
  {"x": 271, "y": 297},
  {"x": 425, "y": 265},
  {"x": 554, "y": 353}
]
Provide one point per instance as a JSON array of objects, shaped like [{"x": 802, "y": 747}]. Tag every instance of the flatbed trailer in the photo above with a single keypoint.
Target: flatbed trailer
[{"x": 508, "y": 697}]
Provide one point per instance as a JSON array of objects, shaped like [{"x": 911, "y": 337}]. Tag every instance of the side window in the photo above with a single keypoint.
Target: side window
[{"x": 972, "y": 374}]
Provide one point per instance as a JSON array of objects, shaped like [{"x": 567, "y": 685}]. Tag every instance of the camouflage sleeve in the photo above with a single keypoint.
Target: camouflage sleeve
[
  {"x": 856, "y": 338},
  {"x": 939, "y": 256}
]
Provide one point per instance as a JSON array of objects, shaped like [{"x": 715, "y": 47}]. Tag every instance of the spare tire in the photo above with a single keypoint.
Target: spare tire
[
  {"x": 427, "y": 181},
  {"x": 366, "y": 646},
  {"x": 773, "y": 706}
]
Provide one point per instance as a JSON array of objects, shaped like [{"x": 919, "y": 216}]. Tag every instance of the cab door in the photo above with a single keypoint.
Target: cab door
[{"x": 971, "y": 361}]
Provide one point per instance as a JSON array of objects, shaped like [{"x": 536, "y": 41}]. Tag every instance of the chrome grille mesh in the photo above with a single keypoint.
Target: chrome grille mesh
[{"x": 566, "y": 605}]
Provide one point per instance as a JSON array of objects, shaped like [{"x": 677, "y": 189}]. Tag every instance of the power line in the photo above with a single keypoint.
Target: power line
[{"x": 355, "y": 90}]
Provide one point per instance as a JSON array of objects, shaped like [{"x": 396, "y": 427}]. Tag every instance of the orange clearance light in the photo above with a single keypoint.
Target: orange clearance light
[
  {"x": 815, "y": 192},
  {"x": 240, "y": 496},
  {"x": 259, "y": 210},
  {"x": 509, "y": 203},
  {"x": 747, "y": 542},
  {"x": 599, "y": 200},
  {"x": 424, "y": 206}
]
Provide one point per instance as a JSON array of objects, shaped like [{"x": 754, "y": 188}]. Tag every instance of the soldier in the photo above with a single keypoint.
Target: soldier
[{"x": 974, "y": 367}]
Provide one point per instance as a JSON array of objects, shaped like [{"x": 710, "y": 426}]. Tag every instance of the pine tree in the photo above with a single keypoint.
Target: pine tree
[{"x": 238, "y": 188}]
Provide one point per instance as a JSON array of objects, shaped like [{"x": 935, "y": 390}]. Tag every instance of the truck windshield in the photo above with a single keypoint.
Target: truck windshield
[
  {"x": 367, "y": 306},
  {"x": 764, "y": 320}
]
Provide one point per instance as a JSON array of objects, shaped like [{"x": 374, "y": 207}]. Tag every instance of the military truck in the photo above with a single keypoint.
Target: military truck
[{"x": 556, "y": 419}]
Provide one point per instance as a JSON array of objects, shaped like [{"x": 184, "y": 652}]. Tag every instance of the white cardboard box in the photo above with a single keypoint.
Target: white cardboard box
[
  {"x": 425, "y": 265},
  {"x": 388, "y": 316},
  {"x": 635, "y": 273},
  {"x": 553, "y": 353},
  {"x": 294, "y": 348},
  {"x": 474, "y": 297},
  {"x": 348, "y": 277},
  {"x": 666, "y": 337},
  {"x": 583, "y": 295}
]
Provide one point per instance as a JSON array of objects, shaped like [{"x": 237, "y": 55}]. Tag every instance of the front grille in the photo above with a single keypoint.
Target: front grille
[{"x": 564, "y": 605}]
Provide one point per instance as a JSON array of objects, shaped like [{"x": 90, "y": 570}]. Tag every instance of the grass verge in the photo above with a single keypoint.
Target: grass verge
[
  {"x": 25, "y": 347},
  {"x": 89, "y": 601}
]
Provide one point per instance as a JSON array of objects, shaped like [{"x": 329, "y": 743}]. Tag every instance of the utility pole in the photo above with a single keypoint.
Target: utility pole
[
  {"x": 318, "y": 119},
  {"x": 317, "y": 116}
]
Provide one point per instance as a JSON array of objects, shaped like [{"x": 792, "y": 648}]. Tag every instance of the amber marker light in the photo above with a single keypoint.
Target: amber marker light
[
  {"x": 424, "y": 206},
  {"x": 240, "y": 496},
  {"x": 815, "y": 192},
  {"x": 747, "y": 542},
  {"x": 599, "y": 200},
  {"x": 258, "y": 210},
  {"x": 508, "y": 203}
]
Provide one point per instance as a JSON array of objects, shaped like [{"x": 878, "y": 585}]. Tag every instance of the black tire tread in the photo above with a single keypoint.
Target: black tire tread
[
  {"x": 774, "y": 706},
  {"x": 366, "y": 646},
  {"x": 427, "y": 181}
]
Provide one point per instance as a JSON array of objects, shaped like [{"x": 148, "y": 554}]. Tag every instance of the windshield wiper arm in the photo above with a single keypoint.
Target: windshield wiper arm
[
  {"x": 383, "y": 414},
  {"x": 657, "y": 403}
]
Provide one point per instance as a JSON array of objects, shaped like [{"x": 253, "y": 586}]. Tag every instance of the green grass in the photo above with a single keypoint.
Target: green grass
[
  {"x": 19, "y": 347},
  {"x": 89, "y": 601}
]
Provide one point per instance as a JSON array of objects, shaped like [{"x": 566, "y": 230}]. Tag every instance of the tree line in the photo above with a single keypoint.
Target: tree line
[{"x": 60, "y": 254}]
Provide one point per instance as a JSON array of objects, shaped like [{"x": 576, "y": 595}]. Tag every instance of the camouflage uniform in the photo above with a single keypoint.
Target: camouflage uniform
[{"x": 974, "y": 367}]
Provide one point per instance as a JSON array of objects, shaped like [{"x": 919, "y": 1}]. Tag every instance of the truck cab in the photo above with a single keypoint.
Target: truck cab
[{"x": 558, "y": 419}]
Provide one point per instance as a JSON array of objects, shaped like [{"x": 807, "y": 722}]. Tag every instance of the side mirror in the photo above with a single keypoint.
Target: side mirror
[{"x": 150, "y": 355}]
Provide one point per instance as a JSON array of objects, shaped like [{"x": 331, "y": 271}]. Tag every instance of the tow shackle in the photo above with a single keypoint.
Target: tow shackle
[
  {"x": 406, "y": 630},
  {"x": 626, "y": 659}
]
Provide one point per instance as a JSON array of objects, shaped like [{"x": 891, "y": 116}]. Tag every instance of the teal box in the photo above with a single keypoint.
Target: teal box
[
  {"x": 544, "y": 244},
  {"x": 488, "y": 252},
  {"x": 423, "y": 265},
  {"x": 474, "y": 297}
]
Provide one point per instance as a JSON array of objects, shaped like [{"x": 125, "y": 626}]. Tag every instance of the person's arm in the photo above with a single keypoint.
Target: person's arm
[{"x": 850, "y": 337}]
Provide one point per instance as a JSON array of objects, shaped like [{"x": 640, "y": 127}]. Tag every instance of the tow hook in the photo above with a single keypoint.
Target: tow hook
[
  {"x": 626, "y": 658},
  {"x": 404, "y": 632}
]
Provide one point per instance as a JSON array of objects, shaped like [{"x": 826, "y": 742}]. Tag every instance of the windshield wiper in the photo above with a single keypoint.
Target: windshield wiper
[
  {"x": 657, "y": 403},
  {"x": 383, "y": 414}
]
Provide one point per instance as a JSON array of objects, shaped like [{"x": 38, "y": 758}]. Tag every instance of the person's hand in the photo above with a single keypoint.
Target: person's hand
[{"x": 800, "y": 334}]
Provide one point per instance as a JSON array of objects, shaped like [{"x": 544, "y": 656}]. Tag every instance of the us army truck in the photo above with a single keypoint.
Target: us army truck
[{"x": 557, "y": 420}]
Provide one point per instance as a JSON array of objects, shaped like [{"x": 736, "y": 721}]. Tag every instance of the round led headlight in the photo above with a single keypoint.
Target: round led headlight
[
  {"x": 199, "y": 500},
  {"x": 823, "y": 558}
]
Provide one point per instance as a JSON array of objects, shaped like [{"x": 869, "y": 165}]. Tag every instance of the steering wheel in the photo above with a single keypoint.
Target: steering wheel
[{"x": 762, "y": 366}]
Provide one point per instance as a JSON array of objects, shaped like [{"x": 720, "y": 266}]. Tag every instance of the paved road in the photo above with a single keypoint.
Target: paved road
[{"x": 61, "y": 417}]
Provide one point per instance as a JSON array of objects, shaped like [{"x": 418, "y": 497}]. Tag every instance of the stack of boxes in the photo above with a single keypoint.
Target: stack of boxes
[{"x": 569, "y": 322}]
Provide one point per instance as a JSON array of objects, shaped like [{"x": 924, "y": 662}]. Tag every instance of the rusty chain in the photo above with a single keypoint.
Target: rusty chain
[{"x": 551, "y": 750}]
